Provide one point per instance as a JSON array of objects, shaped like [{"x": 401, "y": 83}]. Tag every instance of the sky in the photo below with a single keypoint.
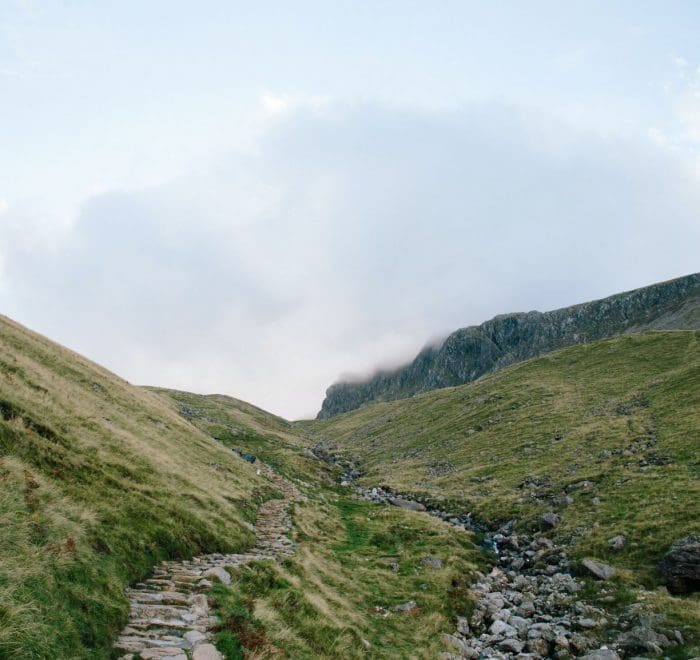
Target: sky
[{"x": 258, "y": 199}]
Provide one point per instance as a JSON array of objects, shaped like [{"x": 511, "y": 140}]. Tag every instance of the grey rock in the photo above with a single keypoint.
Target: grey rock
[
  {"x": 206, "y": 652},
  {"x": 218, "y": 572},
  {"x": 643, "y": 638},
  {"x": 492, "y": 602},
  {"x": 408, "y": 606},
  {"x": 549, "y": 520},
  {"x": 456, "y": 643},
  {"x": 519, "y": 623},
  {"x": 601, "y": 654},
  {"x": 538, "y": 646},
  {"x": 598, "y": 569},
  {"x": 527, "y": 608},
  {"x": 307, "y": 453},
  {"x": 194, "y": 637},
  {"x": 511, "y": 645},
  {"x": 406, "y": 504},
  {"x": 680, "y": 566},
  {"x": 502, "y": 629},
  {"x": 617, "y": 543}
]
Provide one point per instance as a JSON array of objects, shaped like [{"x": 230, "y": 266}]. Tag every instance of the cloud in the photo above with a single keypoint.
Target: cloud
[
  {"x": 347, "y": 237},
  {"x": 280, "y": 104}
]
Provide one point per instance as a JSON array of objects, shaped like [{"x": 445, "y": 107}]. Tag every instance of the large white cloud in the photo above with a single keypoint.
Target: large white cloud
[{"x": 347, "y": 236}]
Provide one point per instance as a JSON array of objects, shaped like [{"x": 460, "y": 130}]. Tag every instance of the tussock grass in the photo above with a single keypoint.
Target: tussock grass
[
  {"x": 98, "y": 481},
  {"x": 334, "y": 597}
]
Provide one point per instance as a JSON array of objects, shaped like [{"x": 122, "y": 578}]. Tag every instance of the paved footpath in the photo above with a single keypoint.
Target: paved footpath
[{"x": 170, "y": 616}]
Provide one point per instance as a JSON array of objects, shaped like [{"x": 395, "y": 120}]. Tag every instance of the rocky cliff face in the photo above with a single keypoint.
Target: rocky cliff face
[{"x": 469, "y": 353}]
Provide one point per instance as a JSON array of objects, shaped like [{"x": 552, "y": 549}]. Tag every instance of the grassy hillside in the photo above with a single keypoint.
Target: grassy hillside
[
  {"x": 243, "y": 427},
  {"x": 98, "y": 480},
  {"x": 614, "y": 426},
  {"x": 354, "y": 563}
]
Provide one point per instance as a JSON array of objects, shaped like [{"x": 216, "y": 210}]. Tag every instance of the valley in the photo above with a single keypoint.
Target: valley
[{"x": 525, "y": 514}]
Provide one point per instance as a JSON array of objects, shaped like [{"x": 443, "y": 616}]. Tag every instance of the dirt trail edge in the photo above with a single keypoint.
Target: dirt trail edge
[{"x": 170, "y": 616}]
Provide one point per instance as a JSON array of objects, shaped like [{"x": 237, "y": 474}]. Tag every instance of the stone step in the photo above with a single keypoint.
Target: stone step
[
  {"x": 168, "y": 611},
  {"x": 135, "y": 643},
  {"x": 164, "y": 597}
]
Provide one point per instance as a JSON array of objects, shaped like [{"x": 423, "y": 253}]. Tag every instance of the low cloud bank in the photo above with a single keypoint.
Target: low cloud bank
[{"x": 344, "y": 238}]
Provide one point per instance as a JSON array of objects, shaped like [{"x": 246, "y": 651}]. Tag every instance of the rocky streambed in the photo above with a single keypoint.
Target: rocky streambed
[{"x": 529, "y": 605}]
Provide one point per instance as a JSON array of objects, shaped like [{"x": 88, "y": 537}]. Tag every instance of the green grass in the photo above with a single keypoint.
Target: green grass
[
  {"x": 334, "y": 597},
  {"x": 622, "y": 414},
  {"x": 240, "y": 425},
  {"x": 98, "y": 481}
]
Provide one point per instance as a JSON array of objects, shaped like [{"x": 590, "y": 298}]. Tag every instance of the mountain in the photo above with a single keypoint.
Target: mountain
[
  {"x": 100, "y": 481},
  {"x": 469, "y": 353}
]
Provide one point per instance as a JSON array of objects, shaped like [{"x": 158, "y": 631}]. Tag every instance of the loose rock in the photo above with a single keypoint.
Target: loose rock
[
  {"x": 411, "y": 505},
  {"x": 598, "y": 569}
]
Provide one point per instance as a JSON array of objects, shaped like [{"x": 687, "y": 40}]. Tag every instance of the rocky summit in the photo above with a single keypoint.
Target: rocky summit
[{"x": 469, "y": 353}]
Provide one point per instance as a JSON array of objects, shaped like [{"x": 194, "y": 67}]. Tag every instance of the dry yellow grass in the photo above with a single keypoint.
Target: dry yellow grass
[{"x": 98, "y": 480}]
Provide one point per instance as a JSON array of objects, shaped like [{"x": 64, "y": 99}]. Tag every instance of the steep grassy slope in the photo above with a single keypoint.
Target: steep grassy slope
[
  {"x": 469, "y": 353},
  {"x": 243, "y": 427},
  {"x": 613, "y": 425},
  {"x": 98, "y": 480}
]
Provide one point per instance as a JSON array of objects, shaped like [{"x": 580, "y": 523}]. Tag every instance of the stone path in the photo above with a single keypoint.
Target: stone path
[{"x": 170, "y": 615}]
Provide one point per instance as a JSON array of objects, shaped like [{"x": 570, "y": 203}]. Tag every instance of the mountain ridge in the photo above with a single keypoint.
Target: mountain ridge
[{"x": 471, "y": 352}]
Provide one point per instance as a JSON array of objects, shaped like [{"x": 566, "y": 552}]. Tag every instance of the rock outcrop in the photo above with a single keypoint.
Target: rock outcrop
[
  {"x": 469, "y": 353},
  {"x": 680, "y": 566}
]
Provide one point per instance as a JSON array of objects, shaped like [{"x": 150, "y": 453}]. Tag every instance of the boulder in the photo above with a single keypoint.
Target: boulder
[
  {"x": 500, "y": 628},
  {"x": 617, "y": 543},
  {"x": 549, "y": 520},
  {"x": 598, "y": 569},
  {"x": 457, "y": 644},
  {"x": 406, "y": 504},
  {"x": 601, "y": 654},
  {"x": 463, "y": 626},
  {"x": 538, "y": 646},
  {"x": 642, "y": 638},
  {"x": 511, "y": 645},
  {"x": 680, "y": 566}
]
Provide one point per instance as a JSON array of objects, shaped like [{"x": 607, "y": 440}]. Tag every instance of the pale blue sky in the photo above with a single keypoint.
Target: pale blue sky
[{"x": 256, "y": 197}]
